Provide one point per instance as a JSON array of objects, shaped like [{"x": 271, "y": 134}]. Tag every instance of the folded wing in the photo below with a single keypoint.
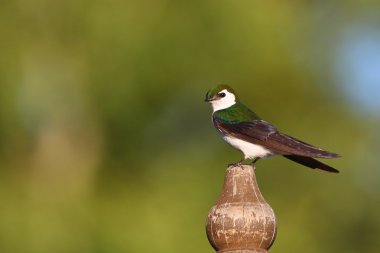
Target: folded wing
[{"x": 262, "y": 133}]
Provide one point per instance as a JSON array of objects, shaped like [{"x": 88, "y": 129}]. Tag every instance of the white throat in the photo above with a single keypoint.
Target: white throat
[{"x": 225, "y": 102}]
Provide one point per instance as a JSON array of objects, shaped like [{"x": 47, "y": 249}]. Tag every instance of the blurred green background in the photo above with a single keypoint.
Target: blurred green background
[{"x": 106, "y": 144}]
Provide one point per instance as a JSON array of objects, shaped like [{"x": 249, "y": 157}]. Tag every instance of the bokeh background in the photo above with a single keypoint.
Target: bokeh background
[{"x": 106, "y": 144}]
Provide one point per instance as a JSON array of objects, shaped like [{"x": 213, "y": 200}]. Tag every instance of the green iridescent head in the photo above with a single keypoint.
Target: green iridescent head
[{"x": 218, "y": 91}]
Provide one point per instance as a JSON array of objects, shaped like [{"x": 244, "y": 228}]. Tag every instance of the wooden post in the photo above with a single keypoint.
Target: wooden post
[{"x": 241, "y": 221}]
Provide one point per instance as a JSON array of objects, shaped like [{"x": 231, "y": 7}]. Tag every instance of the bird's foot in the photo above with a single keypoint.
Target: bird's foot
[{"x": 248, "y": 161}]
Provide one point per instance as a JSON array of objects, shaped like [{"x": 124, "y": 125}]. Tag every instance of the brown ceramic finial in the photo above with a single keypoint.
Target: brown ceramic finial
[{"x": 241, "y": 221}]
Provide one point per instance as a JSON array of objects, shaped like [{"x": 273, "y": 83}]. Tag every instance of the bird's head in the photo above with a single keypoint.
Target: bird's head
[{"x": 221, "y": 97}]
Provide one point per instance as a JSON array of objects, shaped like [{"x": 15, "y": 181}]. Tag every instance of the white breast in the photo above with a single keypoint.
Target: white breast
[{"x": 250, "y": 150}]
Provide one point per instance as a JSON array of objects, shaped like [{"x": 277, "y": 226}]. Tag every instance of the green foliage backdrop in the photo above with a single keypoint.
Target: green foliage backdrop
[{"x": 106, "y": 144}]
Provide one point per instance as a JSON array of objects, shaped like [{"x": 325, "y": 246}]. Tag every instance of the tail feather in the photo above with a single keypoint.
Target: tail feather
[{"x": 311, "y": 163}]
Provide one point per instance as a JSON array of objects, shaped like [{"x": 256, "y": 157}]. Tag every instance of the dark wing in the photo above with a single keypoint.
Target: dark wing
[
  {"x": 311, "y": 163},
  {"x": 262, "y": 133}
]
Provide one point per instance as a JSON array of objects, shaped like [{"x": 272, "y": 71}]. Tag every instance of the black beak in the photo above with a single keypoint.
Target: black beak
[{"x": 208, "y": 98}]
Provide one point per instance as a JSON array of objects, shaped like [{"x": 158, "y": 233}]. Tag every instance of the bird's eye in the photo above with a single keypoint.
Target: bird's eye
[{"x": 222, "y": 95}]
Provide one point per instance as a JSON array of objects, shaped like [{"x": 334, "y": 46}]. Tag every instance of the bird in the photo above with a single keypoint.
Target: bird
[{"x": 254, "y": 137}]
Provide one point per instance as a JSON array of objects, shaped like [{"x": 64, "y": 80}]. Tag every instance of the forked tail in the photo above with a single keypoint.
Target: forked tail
[{"x": 311, "y": 163}]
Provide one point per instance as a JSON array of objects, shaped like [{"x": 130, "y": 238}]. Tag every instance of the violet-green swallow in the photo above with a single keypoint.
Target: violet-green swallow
[{"x": 256, "y": 138}]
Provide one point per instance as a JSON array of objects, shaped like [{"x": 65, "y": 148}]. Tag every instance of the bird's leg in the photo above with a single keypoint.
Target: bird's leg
[
  {"x": 250, "y": 161},
  {"x": 255, "y": 160},
  {"x": 245, "y": 161}
]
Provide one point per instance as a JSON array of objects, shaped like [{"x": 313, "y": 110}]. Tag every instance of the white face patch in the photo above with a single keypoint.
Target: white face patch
[{"x": 223, "y": 102}]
